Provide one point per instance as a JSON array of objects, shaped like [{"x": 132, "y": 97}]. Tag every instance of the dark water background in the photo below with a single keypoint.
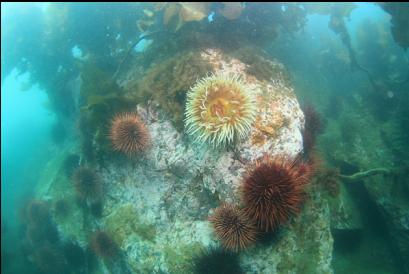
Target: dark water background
[{"x": 317, "y": 61}]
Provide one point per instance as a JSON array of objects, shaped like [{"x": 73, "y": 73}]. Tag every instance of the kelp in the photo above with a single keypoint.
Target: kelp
[
  {"x": 102, "y": 98},
  {"x": 400, "y": 22}
]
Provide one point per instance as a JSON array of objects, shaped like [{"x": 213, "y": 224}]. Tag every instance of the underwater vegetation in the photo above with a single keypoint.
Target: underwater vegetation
[
  {"x": 219, "y": 110},
  {"x": 129, "y": 134},
  {"x": 171, "y": 79},
  {"x": 175, "y": 15},
  {"x": 235, "y": 230},
  {"x": 101, "y": 100},
  {"x": 42, "y": 248},
  {"x": 274, "y": 190},
  {"x": 400, "y": 22}
]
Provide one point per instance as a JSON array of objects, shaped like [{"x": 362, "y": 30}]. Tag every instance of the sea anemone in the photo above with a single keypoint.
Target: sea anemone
[
  {"x": 274, "y": 190},
  {"x": 216, "y": 260},
  {"x": 129, "y": 134},
  {"x": 235, "y": 230},
  {"x": 219, "y": 109},
  {"x": 87, "y": 183},
  {"x": 103, "y": 245}
]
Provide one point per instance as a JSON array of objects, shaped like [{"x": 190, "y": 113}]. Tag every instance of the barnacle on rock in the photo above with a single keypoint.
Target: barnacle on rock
[{"x": 219, "y": 109}]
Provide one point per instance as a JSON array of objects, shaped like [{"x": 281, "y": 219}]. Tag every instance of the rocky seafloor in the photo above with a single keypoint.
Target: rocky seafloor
[{"x": 156, "y": 206}]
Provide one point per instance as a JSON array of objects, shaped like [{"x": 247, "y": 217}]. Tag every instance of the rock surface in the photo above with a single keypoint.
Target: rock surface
[{"x": 156, "y": 206}]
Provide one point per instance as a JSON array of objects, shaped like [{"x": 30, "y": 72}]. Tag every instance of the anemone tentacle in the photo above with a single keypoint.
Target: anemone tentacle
[{"x": 220, "y": 109}]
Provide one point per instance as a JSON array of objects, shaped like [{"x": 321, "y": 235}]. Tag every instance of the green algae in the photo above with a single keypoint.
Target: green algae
[
  {"x": 103, "y": 99},
  {"x": 179, "y": 258},
  {"x": 124, "y": 222}
]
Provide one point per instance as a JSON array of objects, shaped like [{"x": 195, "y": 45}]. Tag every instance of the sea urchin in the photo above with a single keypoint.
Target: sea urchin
[
  {"x": 87, "y": 184},
  {"x": 216, "y": 260},
  {"x": 103, "y": 245},
  {"x": 232, "y": 227},
  {"x": 129, "y": 134},
  {"x": 37, "y": 212},
  {"x": 219, "y": 109},
  {"x": 274, "y": 190}
]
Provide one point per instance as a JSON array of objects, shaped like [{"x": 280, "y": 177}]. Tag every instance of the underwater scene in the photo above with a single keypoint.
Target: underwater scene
[{"x": 205, "y": 137}]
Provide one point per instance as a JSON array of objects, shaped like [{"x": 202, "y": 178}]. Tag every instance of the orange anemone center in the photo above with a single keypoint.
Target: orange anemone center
[{"x": 222, "y": 102}]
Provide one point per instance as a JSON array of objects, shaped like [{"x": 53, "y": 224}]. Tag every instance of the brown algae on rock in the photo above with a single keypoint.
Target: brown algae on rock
[{"x": 124, "y": 222}]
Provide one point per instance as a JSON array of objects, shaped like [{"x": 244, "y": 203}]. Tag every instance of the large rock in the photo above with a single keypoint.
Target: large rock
[{"x": 157, "y": 206}]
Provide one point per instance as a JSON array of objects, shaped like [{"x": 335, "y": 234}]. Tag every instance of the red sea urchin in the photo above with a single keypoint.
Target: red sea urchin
[
  {"x": 129, "y": 134},
  {"x": 103, "y": 245},
  {"x": 274, "y": 190},
  {"x": 87, "y": 184},
  {"x": 232, "y": 227},
  {"x": 37, "y": 212}
]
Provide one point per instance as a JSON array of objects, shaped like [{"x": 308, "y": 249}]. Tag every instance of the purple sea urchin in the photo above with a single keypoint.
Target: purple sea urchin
[
  {"x": 129, "y": 134},
  {"x": 103, "y": 245},
  {"x": 219, "y": 109},
  {"x": 235, "y": 230}
]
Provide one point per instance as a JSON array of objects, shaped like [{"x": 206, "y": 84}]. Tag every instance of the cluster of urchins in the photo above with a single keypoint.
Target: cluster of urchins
[
  {"x": 42, "y": 241},
  {"x": 51, "y": 253},
  {"x": 272, "y": 191}
]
